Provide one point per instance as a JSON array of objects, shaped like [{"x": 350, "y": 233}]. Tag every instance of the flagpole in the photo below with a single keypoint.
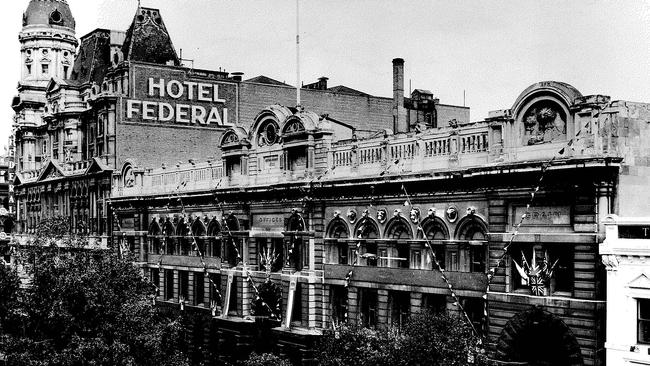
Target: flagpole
[{"x": 297, "y": 52}]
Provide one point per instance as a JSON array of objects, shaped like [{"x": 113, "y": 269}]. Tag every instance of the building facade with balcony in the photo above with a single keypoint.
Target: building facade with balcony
[{"x": 510, "y": 208}]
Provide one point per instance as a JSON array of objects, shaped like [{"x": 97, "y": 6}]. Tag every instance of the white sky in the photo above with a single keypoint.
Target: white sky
[{"x": 491, "y": 49}]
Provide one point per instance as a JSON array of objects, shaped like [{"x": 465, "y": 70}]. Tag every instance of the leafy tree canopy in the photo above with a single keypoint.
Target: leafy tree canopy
[{"x": 85, "y": 306}]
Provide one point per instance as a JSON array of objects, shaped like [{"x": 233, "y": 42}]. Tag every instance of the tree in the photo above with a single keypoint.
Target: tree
[
  {"x": 9, "y": 284},
  {"x": 437, "y": 339},
  {"x": 425, "y": 339},
  {"x": 265, "y": 359},
  {"x": 352, "y": 345},
  {"x": 86, "y": 306}
]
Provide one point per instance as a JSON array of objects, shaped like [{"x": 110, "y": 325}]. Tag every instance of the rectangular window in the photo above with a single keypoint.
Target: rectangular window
[
  {"x": 232, "y": 309},
  {"x": 416, "y": 259},
  {"x": 643, "y": 321},
  {"x": 383, "y": 258},
  {"x": 562, "y": 279},
  {"x": 403, "y": 255},
  {"x": 45, "y": 68},
  {"x": 29, "y": 69},
  {"x": 199, "y": 283},
  {"x": 296, "y": 315},
  {"x": 343, "y": 253},
  {"x": 477, "y": 258},
  {"x": 183, "y": 285},
  {"x": 155, "y": 276},
  {"x": 339, "y": 301},
  {"x": 368, "y": 307},
  {"x": 399, "y": 304},
  {"x": 433, "y": 303},
  {"x": 215, "y": 291},
  {"x": 169, "y": 284},
  {"x": 65, "y": 72}
]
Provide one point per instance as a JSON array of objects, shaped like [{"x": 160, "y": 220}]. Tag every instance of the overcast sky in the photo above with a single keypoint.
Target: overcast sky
[{"x": 491, "y": 49}]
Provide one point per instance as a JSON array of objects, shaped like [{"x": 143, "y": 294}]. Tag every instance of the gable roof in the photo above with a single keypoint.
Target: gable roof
[
  {"x": 342, "y": 89},
  {"x": 266, "y": 80}
]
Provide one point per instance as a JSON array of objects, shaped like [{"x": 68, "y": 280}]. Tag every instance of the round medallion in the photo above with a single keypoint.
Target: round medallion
[{"x": 451, "y": 214}]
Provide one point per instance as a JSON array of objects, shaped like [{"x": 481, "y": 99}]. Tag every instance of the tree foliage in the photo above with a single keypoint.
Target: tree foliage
[
  {"x": 425, "y": 339},
  {"x": 85, "y": 306},
  {"x": 265, "y": 359}
]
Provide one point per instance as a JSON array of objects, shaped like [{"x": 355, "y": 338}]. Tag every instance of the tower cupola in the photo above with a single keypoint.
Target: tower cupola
[{"x": 47, "y": 41}]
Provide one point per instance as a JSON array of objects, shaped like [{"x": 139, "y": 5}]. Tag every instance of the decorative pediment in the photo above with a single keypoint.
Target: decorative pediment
[
  {"x": 641, "y": 282},
  {"x": 51, "y": 171}
]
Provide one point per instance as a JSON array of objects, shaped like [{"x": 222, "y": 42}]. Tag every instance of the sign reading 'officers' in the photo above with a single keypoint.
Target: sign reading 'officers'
[{"x": 172, "y": 97}]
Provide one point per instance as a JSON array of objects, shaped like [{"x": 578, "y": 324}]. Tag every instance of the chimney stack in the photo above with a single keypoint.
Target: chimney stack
[
  {"x": 400, "y": 124},
  {"x": 237, "y": 76}
]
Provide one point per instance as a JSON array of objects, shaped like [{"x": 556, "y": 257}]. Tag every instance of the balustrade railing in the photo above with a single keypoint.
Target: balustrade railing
[{"x": 437, "y": 149}]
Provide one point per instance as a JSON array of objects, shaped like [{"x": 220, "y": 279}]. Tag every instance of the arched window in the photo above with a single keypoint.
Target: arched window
[
  {"x": 338, "y": 229},
  {"x": 435, "y": 230},
  {"x": 338, "y": 249},
  {"x": 199, "y": 232},
  {"x": 368, "y": 230},
  {"x": 168, "y": 231},
  {"x": 154, "y": 240},
  {"x": 214, "y": 234},
  {"x": 398, "y": 229},
  {"x": 398, "y": 252},
  {"x": 297, "y": 253},
  {"x": 183, "y": 233},
  {"x": 474, "y": 230},
  {"x": 232, "y": 245}
]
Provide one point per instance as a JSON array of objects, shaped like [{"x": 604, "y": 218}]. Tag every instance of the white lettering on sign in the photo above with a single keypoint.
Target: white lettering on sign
[
  {"x": 544, "y": 215},
  {"x": 268, "y": 222},
  {"x": 179, "y": 113}
]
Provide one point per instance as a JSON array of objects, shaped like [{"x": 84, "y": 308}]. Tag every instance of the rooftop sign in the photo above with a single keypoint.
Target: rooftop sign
[{"x": 168, "y": 95}]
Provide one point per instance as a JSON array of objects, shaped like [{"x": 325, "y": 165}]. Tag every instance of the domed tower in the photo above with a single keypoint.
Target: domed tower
[
  {"x": 47, "y": 50},
  {"x": 47, "y": 40}
]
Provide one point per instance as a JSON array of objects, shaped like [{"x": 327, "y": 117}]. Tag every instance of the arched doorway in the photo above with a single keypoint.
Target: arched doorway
[{"x": 540, "y": 339}]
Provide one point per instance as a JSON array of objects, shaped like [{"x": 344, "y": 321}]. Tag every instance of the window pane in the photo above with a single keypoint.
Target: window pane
[{"x": 644, "y": 309}]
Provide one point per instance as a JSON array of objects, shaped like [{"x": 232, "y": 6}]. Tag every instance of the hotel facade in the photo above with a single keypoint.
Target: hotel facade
[{"x": 354, "y": 206}]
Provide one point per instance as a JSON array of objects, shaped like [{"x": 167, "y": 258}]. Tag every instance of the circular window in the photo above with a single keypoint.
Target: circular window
[
  {"x": 28, "y": 52},
  {"x": 65, "y": 54},
  {"x": 56, "y": 17},
  {"x": 45, "y": 52}
]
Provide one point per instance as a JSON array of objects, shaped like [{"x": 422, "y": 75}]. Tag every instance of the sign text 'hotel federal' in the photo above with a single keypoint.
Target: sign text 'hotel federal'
[{"x": 177, "y": 99}]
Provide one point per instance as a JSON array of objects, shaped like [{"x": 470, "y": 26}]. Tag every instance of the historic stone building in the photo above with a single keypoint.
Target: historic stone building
[
  {"x": 353, "y": 223},
  {"x": 353, "y": 206}
]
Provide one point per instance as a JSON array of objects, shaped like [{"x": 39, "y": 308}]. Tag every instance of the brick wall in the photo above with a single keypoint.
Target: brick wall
[{"x": 363, "y": 112}]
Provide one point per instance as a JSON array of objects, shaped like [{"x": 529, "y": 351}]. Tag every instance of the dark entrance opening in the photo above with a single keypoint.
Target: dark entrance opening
[{"x": 539, "y": 339}]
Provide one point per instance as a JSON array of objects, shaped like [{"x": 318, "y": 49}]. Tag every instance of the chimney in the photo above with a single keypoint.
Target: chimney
[
  {"x": 400, "y": 124},
  {"x": 237, "y": 76},
  {"x": 322, "y": 83}
]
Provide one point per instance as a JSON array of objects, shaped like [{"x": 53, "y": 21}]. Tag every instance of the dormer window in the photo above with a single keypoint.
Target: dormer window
[{"x": 268, "y": 134}]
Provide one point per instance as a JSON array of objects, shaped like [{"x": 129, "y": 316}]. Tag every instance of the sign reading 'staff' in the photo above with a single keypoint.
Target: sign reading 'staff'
[{"x": 170, "y": 96}]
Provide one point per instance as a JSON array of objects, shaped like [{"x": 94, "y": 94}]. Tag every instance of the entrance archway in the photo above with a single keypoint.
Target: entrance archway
[{"x": 540, "y": 339}]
